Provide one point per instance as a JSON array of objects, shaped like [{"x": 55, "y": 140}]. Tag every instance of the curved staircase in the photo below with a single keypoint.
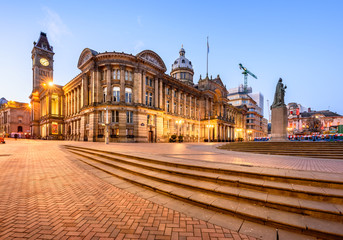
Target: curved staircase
[{"x": 299, "y": 203}]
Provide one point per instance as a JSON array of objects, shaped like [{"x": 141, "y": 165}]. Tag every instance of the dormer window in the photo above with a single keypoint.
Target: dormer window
[
  {"x": 44, "y": 46},
  {"x": 175, "y": 62},
  {"x": 183, "y": 61}
]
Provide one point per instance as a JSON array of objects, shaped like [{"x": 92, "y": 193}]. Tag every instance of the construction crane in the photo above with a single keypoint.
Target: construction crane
[{"x": 245, "y": 73}]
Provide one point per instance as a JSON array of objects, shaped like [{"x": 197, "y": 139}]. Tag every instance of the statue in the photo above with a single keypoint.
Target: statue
[
  {"x": 279, "y": 114},
  {"x": 279, "y": 97}
]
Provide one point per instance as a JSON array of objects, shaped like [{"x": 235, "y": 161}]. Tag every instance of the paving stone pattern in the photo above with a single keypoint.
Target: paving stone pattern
[{"x": 45, "y": 195}]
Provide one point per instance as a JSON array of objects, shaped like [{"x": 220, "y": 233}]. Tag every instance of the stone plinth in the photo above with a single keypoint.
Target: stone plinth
[{"x": 279, "y": 124}]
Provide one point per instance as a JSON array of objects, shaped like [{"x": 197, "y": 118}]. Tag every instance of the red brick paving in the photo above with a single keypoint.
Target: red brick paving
[{"x": 44, "y": 195}]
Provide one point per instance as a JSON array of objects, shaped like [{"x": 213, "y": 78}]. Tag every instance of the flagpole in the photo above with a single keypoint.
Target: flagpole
[{"x": 207, "y": 59}]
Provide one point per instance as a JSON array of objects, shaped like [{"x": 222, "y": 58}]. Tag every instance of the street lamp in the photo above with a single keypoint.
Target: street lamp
[
  {"x": 178, "y": 122},
  {"x": 209, "y": 126}
]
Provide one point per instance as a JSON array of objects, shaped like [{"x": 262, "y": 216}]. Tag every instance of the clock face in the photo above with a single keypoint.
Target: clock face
[{"x": 44, "y": 62}]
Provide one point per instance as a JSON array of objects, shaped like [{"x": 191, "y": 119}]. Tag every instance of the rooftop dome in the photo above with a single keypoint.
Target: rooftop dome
[
  {"x": 182, "y": 61},
  {"x": 3, "y": 101}
]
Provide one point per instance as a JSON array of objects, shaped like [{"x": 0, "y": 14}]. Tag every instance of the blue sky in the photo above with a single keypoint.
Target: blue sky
[{"x": 300, "y": 41}]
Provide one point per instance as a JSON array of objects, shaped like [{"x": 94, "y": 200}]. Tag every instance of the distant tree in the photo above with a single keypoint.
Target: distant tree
[{"x": 313, "y": 124}]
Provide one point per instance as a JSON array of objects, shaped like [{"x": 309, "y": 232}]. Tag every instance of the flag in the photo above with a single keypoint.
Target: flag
[{"x": 208, "y": 46}]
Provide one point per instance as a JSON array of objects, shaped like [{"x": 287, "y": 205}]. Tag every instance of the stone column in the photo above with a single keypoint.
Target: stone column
[
  {"x": 74, "y": 100},
  {"x": 60, "y": 106},
  {"x": 196, "y": 113},
  {"x": 156, "y": 102},
  {"x": 172, "y": 101},
  {"x": 82, "y": 128},
  {"x": 84, "y": 90},
  {"x": 93, "y": 86},
  {"x": 190, "y": 106},
  {"x": 179, "y": 103},
  {"x": 137, "y": 91},
  {"x": 78, "y": 98},
  {"x": 109, "y": 83},
  {"x": 122, "y": 126},
  {"x": 143, "y": 88},
  {"x": 66, "y": 109},
  {"x": 160, "y": 93},
  {"x": 122, "y": 84},
  {"x": 184, "y": 104}
]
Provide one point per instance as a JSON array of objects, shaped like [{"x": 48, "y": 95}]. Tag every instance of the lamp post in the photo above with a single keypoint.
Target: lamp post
[
  {"x": 249, "y": 134},
  {"x": 209, "y": 126}
]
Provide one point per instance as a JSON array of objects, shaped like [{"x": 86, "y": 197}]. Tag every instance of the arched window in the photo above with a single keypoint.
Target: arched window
[
  {"x": 116, "y": 94},
  {"x": 128, "y": 95},
  {"x": 20, "y": 129}
]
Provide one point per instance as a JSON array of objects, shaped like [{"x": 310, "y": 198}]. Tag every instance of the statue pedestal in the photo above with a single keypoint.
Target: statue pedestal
[{"x": 279, "y": 124}]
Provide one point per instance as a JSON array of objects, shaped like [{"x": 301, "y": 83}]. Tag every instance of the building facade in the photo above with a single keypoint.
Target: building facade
[
  {"x": 255, "y": 125},
  {"x": 300, "y": 120},
  {"x": 127, "y": 98},
  {"x": 14, "y": 118}
]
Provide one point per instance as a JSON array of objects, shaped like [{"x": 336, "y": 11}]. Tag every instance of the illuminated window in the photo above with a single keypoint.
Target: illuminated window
[{"x": 116, "y": 94}]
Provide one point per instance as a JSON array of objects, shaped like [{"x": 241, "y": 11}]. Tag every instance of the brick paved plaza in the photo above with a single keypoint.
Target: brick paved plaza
[{"x": 47, "y": 193}]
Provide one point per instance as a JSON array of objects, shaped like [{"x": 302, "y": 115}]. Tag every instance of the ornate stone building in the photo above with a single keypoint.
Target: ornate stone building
[
  {"x": 14, "y": 118},
  {"x": 128, "y": 98}
]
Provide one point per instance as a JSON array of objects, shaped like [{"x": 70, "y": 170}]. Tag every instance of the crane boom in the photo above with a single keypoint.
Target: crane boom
[{"x": 245, "y": 73}]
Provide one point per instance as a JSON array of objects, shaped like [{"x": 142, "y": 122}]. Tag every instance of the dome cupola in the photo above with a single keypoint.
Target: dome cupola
[{"x": 182, "y": 68}]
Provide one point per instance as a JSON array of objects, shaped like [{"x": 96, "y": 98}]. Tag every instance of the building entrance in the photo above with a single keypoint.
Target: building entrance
[{"x": 151, "y": 136}]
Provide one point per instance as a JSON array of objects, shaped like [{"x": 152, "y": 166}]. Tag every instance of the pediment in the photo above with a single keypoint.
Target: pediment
[
  {"x": 152, "y": 58},
  {"x": 85, "y": 56}
]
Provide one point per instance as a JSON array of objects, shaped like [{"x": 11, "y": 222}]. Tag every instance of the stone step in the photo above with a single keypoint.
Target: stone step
[
  {"x": 259, "y": 174},
  {"x": 260, "y": 214},
  {"x": 311, "y": 149},
  {"x": 291, "y": 204}
]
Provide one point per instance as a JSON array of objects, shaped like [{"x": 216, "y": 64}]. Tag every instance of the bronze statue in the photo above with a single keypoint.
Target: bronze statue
[{"x": 279, "y": 97}]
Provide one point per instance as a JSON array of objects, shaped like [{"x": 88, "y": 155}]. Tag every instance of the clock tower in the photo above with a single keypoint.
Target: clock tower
[
  {"x": 42, "y": 67},
  {"x": 42, "y": 62}
]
